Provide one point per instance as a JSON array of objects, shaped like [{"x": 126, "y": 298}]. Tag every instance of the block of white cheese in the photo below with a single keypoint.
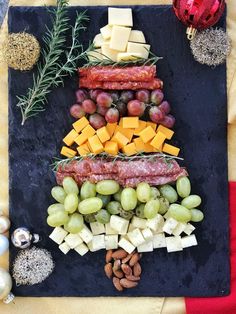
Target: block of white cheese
[
  {"x": 143, "y": 49},
  {"x": 156, "y": 223},
  {"x": 189, "y": 241},
  {"x": 189, "y": 229},
  {"x": 98, "y": 41},
  {"x": 174, "y": 244},
  {"x": 64, "y": 247},
  {"x": 58, "y": 235},
  {"x": 137, "y": 36},
  {"x": 86, "y": 235},
  {"x": 119, "y": 38},
  {"x": 137, "y": 222},
  {"x": 126, "y": 245},
  {"x": 119, "y": 224},
  {"x": 120, "y": 16},
  {"x": 147, "y": 234},
  {"x": 179, "y": 229},
  {"x": 81, "y": 249},
  {"x": 108, "y": 53},
  {"x": 111, "y": 242},
  {"x": 136, "y": 237},
  {"x": 106, "y": 31},
  {"x": 131, "y": 228},
  {"x": 95, "y": 55},
  {"x": 98, "y": 242},
  {"x": 159, "y": 241},
  {"x": 145, "y": 247},
  {"x": 109, "y": 230},
  {"x": 169, "y": 225},
  {"x": 97, "y": 228},
  {"x": 128, "y": 56},
  {"x": 73, "y": 240}
]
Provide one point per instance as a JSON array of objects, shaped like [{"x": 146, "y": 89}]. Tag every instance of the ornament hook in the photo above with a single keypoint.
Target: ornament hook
[{"x": 191, "y": 32}]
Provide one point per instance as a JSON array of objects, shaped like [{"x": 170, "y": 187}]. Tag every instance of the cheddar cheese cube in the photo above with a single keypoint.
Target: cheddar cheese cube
[
  {"x": 109, "y": 53},
  {"x": 130, "y": 122},
  {"x": 158, "y": 140},
  {"x": 141, "y": 126},
  {"x": 119, "y": 38},
  {"x": 148, "y": 148},
  {"x": 168, "y": 132},
  {"x": 120, "y": 139},
  {"x": 111, "y": 128},
  {"x": 111, "y": 148},
  {"x": 80, "y": 124},
  {"x": 70, "y": 137},
  {"x": 152, "y": 124},
  {"x": 139, "y": 144},
  {"x": 143, "y": 49},
  {"x": 147, "y": 134},
  {"x": 126, "y": 132},
  {"x": 88, "y": 131},
  {"x": 68, "y": 152},
  {"x": 103, "y": 134},
  {"x": 83, "y": 150},
  {"x": 81, "y": 139},
  {"x": 121, "y": 122},
  {"x": 170, "y": 149},
  {"x": 129, "y": 149},
  {"x": 95, "y": 144}
]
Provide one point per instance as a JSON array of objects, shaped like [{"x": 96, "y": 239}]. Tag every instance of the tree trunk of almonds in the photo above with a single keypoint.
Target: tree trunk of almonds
[{"x": 124, "y": 269}]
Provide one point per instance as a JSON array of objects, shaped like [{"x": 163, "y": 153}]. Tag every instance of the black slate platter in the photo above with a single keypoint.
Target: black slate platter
[{"x": 198, "y": 97}]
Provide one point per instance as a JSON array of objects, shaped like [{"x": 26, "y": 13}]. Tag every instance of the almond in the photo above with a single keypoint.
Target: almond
[
  {"x": 119, "y": 254},
  {"x": 118, "y": 273},
  {"x": 116, "y": 264},
  {"x": 109, "y": 256},
  {"x": 127, "y": 283},
  {"x": 126, "y": 269},
  {"x": 137, "y": 270},
  {"x": 134, "y": 259},
  {"x": 132, "y": 277},
  {"x": 116, "y": 283},
  {"x": 127, "y": 258},
  {"x": 108, "y": 270}
]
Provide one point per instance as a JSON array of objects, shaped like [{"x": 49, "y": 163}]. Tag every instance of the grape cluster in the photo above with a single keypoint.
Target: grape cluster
[{"x": 109, "y": 106}]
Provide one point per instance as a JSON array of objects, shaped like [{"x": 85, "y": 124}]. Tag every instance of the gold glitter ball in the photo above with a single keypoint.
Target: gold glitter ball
[{"x": 21, "y": 51}]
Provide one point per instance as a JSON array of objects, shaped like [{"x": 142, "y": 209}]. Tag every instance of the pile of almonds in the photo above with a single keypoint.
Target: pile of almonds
[{"x": 124, "y": 268}]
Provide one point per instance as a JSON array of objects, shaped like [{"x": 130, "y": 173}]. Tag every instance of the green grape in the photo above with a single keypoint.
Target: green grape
[
  {"x": 128, "y": 199},
  {"x": 179, "y": 213},
  {"x": 155, "y": 193},
  {"x": 105, "y": 199},
  {"x": 196, "y": 215},
  {"x": 117, "y": 196},
  {"x": 87, "y": 190},
  {"x": 169, "y": 193},
  {"x": 54, "y": 208},
  {"x": 89, "y": 218},
  {"x": 57, "y": 219},
  {"x": 59, "y": 194},
  {"x": 143, "y": 191},
  {"x": 113, "y": 207},
  {"x": 164, "y": 205},
  {"x": 151, "y": 208},
  {"x": 102, "y": 216},
  {"x": 183, "y": 186},
  {"x": 71, "y": 203},
  {"x": 70, "y": 186},
  {"x": 107, "y": 187},
  {"x": 139, "y": 211},
  {"x": 191, "y": 201},
  {"x": 90, "y": 205},
  {"x": 126, "y": 214},
  {"x": 75, "y": 223}
]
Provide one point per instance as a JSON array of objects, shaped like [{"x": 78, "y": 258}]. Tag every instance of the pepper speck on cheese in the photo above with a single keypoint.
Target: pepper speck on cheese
[
  {"x": 152, "y": 124},
  {"x": 130, "y": 122},
  {"x": 111, "y": 128},
  {"x": 95, "y": 144},
  {"x": 170, "y": 149},
  {"x": 168, "y": 132},
  {"x": 80, "y": 124},
  {"x": 139, "y": 144},
  {"x": 81, "y": 139},
  {"x": 141, "y": 126},
  {"x": 158, "y": 140},
  {"x": 103, "y": 134},
  {"x": 120, "y": 139},
  {"x": 129, "y": 149},
  {"x": 89, "y": 131},
  {"x": 111, "y": 148},
  {"x": 147, "y": 134},
  {"x": 68, "y": 152},
  {"x": 83, "y": 150},
  {"x": 70, "y": 137}
]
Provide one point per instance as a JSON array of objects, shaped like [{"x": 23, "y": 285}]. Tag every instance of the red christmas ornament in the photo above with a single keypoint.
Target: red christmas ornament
[{"x": 198, "y": 14}]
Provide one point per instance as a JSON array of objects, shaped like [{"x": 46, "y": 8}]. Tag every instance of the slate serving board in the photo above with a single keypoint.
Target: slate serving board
[{"x": 198, "y": 97}]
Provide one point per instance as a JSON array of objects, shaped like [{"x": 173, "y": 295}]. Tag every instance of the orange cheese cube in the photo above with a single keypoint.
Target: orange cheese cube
[
  {"x": 158, "y": 140},
  {"x": 80, "y": 124},
  {"x": 126, "y": 132},
  {"x": 103, "y": 134},
  {"x": 121, "y": 121},
  {"x": 147, "y": 134},
  {"x": 81, "y": 139},
  {"x": 141, "y": 126},
  {"x": 170, "y": 149},
  {"x": 111, "y": 148},
  {"x": 148, "y": 148},
  {"x": 68, "y": 152},
  {"x": 111, "y": 128},
  {"x": 129, "y": 149},
  {"x": 130, "y": 122},
  {"x": 120, "y": 139},
  {"x": 70, "y": 137},
  {"x": 168, "y": 132},
  {"x": 89, "y": 131},
  {"x": 152, "y": 124},
  {"x": 139, "y": 144},
  {"x": 95, "y": 144},
  {"x": 83, "y": 150}
]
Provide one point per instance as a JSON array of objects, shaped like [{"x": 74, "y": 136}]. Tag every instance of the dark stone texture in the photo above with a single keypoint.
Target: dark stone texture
[{"x": 198, "y": 97}]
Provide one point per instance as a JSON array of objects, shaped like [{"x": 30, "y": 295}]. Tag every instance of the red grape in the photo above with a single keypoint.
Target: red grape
[
  {"x": 155, "y": 114},
  {"x": 126, "y": 96},
  {"x": 122, "y": 108},
  {"x": 81, "y": 95},
  {"x": 89, "y": 106},
  {"x": 165, "y": 107},
  {"x": 135, "y": 108},
  {"x": 97, "y": 121},
  {"x": 93, "y": 93},
  {"x": 77, "y": 111},
  {"x": 115, "y": 96},
  {"x": 102, "y": 110},
  {"x": 104, "y": 99},
  {"x": 157, "y": 96},
  {"x": 112, "y": 115},
  {"x": 143, "y": 95},
  {"x": 168, "y": 121}
]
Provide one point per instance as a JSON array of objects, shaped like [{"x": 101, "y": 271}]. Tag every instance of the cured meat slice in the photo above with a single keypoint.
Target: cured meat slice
[
  {"x": 82, "y": 167},
  {"x": 83, "y": 72},
  {"x": 87, "y": 83},
  {"x": 95, "y": 178}
]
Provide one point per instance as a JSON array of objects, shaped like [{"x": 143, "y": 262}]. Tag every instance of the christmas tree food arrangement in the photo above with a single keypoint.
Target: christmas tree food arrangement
[{"x": 120, "y": 187}]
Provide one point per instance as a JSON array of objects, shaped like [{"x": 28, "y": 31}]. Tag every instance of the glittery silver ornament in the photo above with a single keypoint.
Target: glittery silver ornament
[
  {"x": 5, "y": 286},
  {"x": 22, "y": 238}
]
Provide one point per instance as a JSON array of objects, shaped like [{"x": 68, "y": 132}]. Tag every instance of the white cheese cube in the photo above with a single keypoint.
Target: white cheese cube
[
  {"x": 139, "y": 222},
  {"x": 155, "y": 223},
  {"x": 109, "y": 53},
  {"x": 97, "y": 228},
  {"x": 126, "y": 245},
  {"x": 137, "y": 37},
  {"x": 95, "y": 55},
  {"x": 139, "y": 48},
  {"x": 98, "y": 242},
  {"x": 111, "y": 242},
  {"x": 147, "y": 234},
  {"x": 58, "y": 235},
  {"x": 174, "y": 244},
  {"x": 64, "y": 247},
  {"x": 169, "y": 225},
  {"x": 131, "y": 228},
  {"x": 145, "y": 247},
  {"x": 98, "y": 41},
  {"x": 90, "y": 246},
  {"x": 106, "y": 31},
  {"x": 179, "y": 229},
  {"x": 189, "y": 229},
  {"x": 86, "y": 235},
  {"x": 119, "y": 224},
  {"x": 119, "y": 38},
  {"x": 81, "y": 249},
  {"x": 120, "y": 16},
  {"x": 159, "y": 241},
  {"x": 189, "y": 241},
  {"x": 109, "y": 229},
  {"x": 73, "y": 240},
  {"x": 127, "y": 56},
  {"x": 167, "y": 215},
  {"x": 136, "y": 237}
]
